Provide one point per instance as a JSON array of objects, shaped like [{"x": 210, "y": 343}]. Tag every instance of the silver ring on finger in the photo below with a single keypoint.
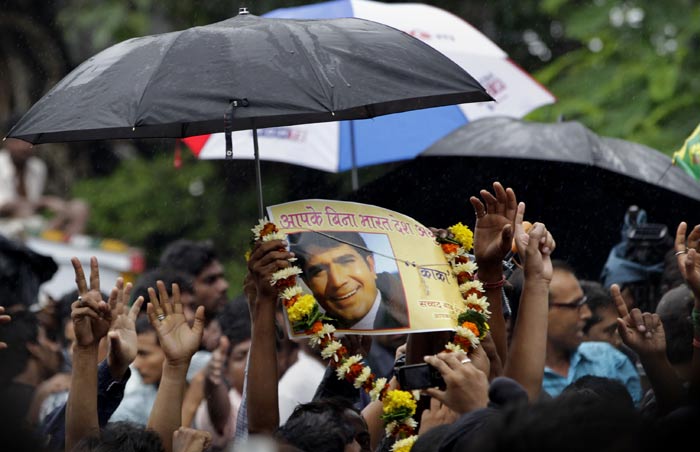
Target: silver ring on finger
[
  {"x": 678, "y": 253},
  {"x": 466, "y": 360},
  {"x": 161, "y": 317},
  {"x": 81, "y": 302}
]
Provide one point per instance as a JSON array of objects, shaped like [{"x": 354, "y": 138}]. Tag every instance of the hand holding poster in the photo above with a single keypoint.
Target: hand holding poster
[{"x": 371, "y": 270}]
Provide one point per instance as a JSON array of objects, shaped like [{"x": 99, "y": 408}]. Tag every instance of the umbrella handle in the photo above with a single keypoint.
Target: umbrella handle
[{"x": 228, "y": 123}]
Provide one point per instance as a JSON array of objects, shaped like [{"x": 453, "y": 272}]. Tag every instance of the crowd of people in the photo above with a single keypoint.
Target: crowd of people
[{"x": 172, "y": 362}]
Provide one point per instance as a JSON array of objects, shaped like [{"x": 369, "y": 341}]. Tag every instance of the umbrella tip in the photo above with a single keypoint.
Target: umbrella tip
[{"x": 242, "y": 10}]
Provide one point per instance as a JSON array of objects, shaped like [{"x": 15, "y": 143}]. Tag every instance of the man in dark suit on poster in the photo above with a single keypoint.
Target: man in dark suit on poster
[{"x": 340, "y": 271}]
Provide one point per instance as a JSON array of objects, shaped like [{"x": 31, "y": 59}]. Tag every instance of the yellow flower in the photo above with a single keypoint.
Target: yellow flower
[
  {"x": 463, "y": 235},
  {"x": 247, "y": 255},
  {"x": 404, "y": 445},
  {"x": 302, "y": 308},
  {"x": 397, "y": 400}
]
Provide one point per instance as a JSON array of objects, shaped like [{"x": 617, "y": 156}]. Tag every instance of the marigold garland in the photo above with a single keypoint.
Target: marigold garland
[{"x": 399, "y": 406}]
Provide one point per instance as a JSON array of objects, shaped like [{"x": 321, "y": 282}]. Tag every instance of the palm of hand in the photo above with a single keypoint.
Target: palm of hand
[
  {"x": 88, "y": 330},
  {"x": 126, "y": 329},
  {"x": 488, "y": 245},
  {"x": 177, "y": 339},
  {"x": 640, "y": 343}
]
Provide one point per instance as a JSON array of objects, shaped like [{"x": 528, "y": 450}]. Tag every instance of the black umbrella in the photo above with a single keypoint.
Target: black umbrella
[
  {"x": 578, "y": 183},
  {"x": 258, "y": 72}
]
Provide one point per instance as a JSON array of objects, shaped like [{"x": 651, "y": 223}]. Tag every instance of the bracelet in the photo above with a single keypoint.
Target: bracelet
[{"x": 494, "y": 285}]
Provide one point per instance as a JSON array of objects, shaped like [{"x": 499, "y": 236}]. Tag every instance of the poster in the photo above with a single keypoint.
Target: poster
[{"x": 372, "y": 270}]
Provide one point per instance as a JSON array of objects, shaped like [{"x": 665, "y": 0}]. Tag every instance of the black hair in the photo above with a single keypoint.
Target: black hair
[
  {"x": 302, "y": 241},
  {"x": 143, "y": 326},
  {"x": 580, "y": 424},
  {"x": 562, "y": 265},
  {"x": 674, "y": 310},
  {"x": 319, "y": 426},
  {"x": 168, "y": 276},
  {"x": 122, "y": 437},
  {"x": 188, "y": 256},
  {"x": 600, "y": 389},
  {"x": 23, "y": 329},
  {"x": 235, "y": 321},
  {"x": 597, "y": 298}
]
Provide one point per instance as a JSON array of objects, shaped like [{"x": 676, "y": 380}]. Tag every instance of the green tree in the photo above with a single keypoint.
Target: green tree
[{"x": 634, "y": 73}]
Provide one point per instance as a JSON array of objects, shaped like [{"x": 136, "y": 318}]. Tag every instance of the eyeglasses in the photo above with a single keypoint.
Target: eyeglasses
[{"x": 576, "y": 304}]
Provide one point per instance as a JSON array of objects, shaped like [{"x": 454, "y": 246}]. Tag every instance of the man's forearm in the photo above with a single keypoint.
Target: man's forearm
[
  {"x": 166, "y": 415},
  {"x": 81, "y": 408},
  {"x": 218, "y": 404},
  {"x": 263, "y": 399}
]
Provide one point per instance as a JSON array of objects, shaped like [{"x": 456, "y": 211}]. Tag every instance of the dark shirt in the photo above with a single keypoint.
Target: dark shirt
[{"x": 109, "y": 396}]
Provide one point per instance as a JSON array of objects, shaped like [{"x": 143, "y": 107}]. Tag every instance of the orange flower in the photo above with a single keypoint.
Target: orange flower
[
  {"x": 463, "y": 342},
  {"x": 449, "y": 248},
  {"x": 289, "y": 303},
  {"x": 286, "y": 283},
  {"x": 269, "y": 228},
  {"x": 463, "y": 277},
  {"x": 472, "y": 292},
  {"x": 369, "y": 383},
  {"x": 472, "y": 326},
  {"x": 461, "y": 259},
  {"x": 316, "y": 327},
  {"x": 354, "y": 372}
]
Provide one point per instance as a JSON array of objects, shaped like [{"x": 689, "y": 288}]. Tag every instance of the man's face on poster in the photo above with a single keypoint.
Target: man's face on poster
[{"x": 342, "y": 280}]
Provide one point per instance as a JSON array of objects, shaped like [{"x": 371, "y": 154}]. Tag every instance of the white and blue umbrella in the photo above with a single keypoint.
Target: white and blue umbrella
[{"x": 345, "y": 145}]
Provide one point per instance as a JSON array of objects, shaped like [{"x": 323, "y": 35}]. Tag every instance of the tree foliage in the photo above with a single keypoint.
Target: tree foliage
[{"x": 634, "y": 75}]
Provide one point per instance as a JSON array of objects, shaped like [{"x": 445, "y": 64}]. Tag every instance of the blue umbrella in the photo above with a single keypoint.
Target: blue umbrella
[{"x": 348, "y": 145}]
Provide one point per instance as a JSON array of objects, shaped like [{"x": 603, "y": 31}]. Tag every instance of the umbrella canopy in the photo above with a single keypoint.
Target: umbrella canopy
[
  {"x": 578, "y": 183},
  {"x": 275, "y": 72},
  {"x": 330, "y": 146}
]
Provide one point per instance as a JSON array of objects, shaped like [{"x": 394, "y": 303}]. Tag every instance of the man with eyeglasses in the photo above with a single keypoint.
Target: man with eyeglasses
[{"x": 568, "y": 357}]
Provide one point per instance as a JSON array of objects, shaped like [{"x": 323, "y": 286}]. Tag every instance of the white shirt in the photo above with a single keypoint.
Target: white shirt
[
  {"x": 138, "y": 400},
  {"x": 367, "y": 322},
  {"x": 34, "y": 178},
  {"x": 298, "y": 384}
]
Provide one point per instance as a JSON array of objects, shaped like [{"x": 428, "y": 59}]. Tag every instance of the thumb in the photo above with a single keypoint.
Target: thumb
[
  {"x": 115, "y": 343},
  {"x": 507, "y": 234}
]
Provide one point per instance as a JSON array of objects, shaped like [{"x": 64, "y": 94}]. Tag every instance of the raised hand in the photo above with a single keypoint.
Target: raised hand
[
  {"x": 266, "y": 259},
  {"x": 91, "y": 316},
  {"x": 536, "y": 257},
  {"x": 123, "y": 344},
  {"x": 495, "y": 223},
  {"x": 642, "y": 332},
  {"x": 687, "y": 250},
  {"x": 178, "y": 341}
]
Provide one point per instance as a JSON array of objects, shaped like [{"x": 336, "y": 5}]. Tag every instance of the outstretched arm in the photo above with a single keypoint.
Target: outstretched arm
[
  {"x": 493, "y": 238},
  {"x": 179, "y": 342},
  {"x": 688, "y": 256},
  {"x": 526, "y": 357},
  {"x": 216, "y": 387},
  {"x": 263, "y": 409},
  {"x": 644, "y": 333},
  {"x": 91, "y": 319}
]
